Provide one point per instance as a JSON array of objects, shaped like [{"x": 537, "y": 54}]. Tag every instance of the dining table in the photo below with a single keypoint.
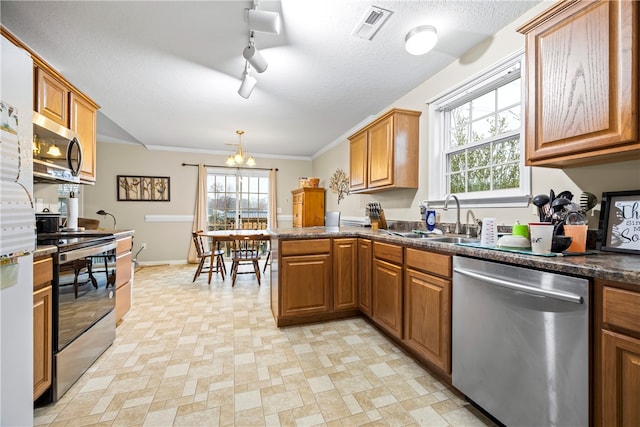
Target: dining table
[
  {"x": 218, "y": 236},
  {"x": 225, "y": 235}
]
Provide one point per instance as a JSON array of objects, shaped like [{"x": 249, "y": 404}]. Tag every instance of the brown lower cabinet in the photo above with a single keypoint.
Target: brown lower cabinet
[
  {"x": 365, "y": 253},
  {"x": 345, "y": 274},
  {"x": 386, "y": 279},
  {"x": 305, "y": 269},
  {"x": 123, "y": 276},
  {"x": 42, "y": 324},
  {"x": 427, "y": 306},
  {"x": 617, "y": 354}
]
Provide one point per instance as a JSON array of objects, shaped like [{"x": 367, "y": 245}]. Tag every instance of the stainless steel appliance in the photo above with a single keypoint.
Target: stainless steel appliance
[
  {"x": 83, "y": 304},
  {"x": 520, "y": 343},
  {"x": 57, "y": 153}
]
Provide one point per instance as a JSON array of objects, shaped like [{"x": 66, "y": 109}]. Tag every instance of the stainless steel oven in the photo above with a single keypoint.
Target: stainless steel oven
[{"x": 83, "y": 305}]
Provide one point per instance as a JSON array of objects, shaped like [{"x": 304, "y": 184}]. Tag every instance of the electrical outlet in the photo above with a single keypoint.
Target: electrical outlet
[{"x": 143, "y": 246}]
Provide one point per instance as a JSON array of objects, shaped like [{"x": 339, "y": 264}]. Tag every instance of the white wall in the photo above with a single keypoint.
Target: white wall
[
  {"x": 166, "y": 241},
  {"x": 404, "y": 204}
]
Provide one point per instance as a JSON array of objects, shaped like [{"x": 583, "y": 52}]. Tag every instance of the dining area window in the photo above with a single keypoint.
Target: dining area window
[{"x": 237, "y": 200}]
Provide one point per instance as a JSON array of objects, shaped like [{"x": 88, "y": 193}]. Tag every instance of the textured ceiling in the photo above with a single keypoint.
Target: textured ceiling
[{"x": 166, "y": 73}]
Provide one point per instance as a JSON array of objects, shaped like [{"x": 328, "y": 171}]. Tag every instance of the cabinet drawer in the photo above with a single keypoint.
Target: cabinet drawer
[
  {"x": 621, "y": 308},
  {"x": 123, "y": 269},
  {"x": 429, "y": 262},
  {"x": 124, "y": 245},
  {"x": 42, "y": 272},
  {"x": 387, "y": 252},
  {"x": 123, "y": 301},
  {"x": 299, "y": 247},
  {"x": 297, "y": 198}
]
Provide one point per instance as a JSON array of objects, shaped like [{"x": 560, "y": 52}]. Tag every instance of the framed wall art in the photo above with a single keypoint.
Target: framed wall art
[
  {"x": 619, "y": 225},
  {"x": 136, "y": 188}
]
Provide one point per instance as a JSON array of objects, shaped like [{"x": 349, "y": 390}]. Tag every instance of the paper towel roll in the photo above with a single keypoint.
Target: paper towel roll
[{"x": 72, "y": 212}]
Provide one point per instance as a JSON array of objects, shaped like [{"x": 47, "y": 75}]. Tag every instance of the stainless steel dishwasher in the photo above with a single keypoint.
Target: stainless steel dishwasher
[{"x": 520, "y": 343}]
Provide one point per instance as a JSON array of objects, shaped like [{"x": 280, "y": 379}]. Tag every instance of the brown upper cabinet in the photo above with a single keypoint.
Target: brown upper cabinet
[
  {"x": 52, "y": 97},
  {"x": 57, "y": 99},
  {"x": 82, "y": 121},
  {"x": 582, "y": 101},
  {"x": 384, "y": 154}
]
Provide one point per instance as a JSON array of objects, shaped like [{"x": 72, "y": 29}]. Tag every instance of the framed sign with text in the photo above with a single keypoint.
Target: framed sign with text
[{"x": 619, "y": 225}]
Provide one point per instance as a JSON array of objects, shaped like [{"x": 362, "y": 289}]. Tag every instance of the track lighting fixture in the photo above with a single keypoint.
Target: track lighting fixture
[
  {"x": 421, "y": 40},
  {"x": 259, "y": 20},
  {"x": 248, "y": 83},
  {"x": 254, "y": 57},
  {"x": 264, "y": 21}
]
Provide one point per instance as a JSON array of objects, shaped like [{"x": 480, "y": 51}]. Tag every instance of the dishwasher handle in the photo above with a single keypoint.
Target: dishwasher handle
[{"x": 548, "y": 293}]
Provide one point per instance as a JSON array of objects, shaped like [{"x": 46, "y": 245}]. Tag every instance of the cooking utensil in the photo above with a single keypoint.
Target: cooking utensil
[
  {"x": 575, "y": 218},
  {"x": 541, "y": 200},
  {"x": 566, "y": 195},
  {"x": 587, "y": 202},
  {"x": 559, "y": 203}
]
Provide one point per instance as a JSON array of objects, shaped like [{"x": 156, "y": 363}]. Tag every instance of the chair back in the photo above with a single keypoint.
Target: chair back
[
  {"x": 332, "y": 219},
  {"x": 246, "y": 248},
  {"x": 197, "y": 240},
  {"x": 89, "y": 223}
]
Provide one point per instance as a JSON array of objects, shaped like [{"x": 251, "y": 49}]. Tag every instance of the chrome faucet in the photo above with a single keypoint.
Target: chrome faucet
[
  {"x": 446, "y": 203},
  {"x": 468, "y": 226}
]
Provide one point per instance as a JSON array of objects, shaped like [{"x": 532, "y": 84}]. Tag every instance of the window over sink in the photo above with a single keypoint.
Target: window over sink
[{"x": 476, "y": 141}]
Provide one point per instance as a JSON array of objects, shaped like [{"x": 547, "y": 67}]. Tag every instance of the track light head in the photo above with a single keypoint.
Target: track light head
[
  {"x": 264, "y": 21},
  {"x": 248, "y": 84},
  {"x": 255, "y": 58}
]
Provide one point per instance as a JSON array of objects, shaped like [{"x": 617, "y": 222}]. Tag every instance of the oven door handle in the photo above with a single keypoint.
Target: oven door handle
[
  {"x": 548, "y": 293},
  {"x": 85, "y": 252}
]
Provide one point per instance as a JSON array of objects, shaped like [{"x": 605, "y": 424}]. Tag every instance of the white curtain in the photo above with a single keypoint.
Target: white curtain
[
  {"x": 273, "y": 198},
  {"x": 200, "y": 211}
]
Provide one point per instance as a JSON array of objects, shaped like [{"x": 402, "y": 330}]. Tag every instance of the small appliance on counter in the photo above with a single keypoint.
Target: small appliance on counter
[{"x": 47, "y": 222}]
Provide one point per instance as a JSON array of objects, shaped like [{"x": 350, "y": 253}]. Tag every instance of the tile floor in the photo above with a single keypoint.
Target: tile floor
[{"x": 210, "y": 355}]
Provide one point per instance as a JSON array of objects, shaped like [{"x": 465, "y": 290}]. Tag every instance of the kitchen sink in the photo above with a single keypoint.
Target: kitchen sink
[{"x": 453, "y": 239}]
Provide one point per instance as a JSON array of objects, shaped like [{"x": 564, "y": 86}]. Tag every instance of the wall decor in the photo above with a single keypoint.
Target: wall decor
[
  {"x": 136, "y": 188},
  {"x": 619, "y": 225},
  {"x": 339, "y": 184}
]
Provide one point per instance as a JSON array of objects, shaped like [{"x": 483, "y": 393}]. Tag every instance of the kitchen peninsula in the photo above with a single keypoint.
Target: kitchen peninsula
[{"x": 404, "y": 287}]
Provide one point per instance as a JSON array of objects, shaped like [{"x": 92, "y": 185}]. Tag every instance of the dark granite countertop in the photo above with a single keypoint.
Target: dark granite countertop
[{"x": 602, "y": 265}]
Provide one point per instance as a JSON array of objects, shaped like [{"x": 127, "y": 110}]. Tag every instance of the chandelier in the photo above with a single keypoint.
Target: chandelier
[{"x": 240, "y": 157}]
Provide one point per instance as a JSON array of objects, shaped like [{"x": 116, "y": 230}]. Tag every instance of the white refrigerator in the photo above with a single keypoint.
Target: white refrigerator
[{"x": 17, "y": 236}]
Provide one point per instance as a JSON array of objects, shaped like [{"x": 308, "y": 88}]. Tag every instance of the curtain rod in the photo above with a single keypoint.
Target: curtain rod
[{"x": 231, "y": 167}]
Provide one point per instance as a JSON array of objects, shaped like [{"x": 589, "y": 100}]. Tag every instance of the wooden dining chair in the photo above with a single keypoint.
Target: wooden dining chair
[
  {"x": 215, "y": 258},
  {"x": 245, "y": 250}
]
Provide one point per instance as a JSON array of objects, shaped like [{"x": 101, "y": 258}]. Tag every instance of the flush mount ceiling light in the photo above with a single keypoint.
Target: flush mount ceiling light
[
  {"x": 248, "y": 83},
  {"x": 421, "y": 40},
  {"x": 240, "y": 157}
]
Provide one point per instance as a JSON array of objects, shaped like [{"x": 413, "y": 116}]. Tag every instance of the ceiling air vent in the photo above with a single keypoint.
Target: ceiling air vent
[{"x": 371, "y": 22}]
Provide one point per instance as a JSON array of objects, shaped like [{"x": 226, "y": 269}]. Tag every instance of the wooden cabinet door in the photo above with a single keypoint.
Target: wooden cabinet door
[
  {"x": 427, "y": 322},
  {"x": 83, "y": 123},
  {"x": 358, "y": 162},
  {"x": 364, "y": 275},
  {"x": 380, "y": 155},
  {"x": 305, "y": 284},
  {"x": 52, "y": 98},
  {"x": 42, "y": 340},
  {"x": 387, "y": 296},
  {"x": 345, "y": 274},
  {"x": 620, "y": 380},
  {"x": 582, "y": 101}
]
